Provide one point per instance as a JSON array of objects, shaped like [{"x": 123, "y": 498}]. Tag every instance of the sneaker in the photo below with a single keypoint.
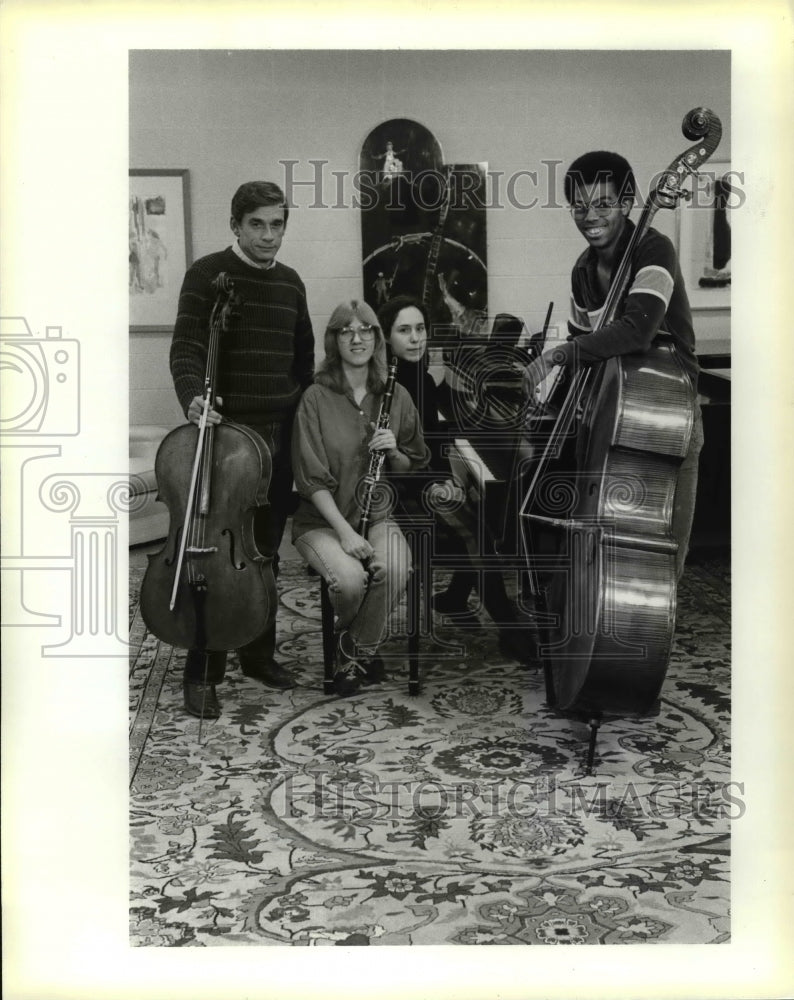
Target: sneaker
[
  {"x": 374, "y": 667},
  {"x": 349, "y": 672}
]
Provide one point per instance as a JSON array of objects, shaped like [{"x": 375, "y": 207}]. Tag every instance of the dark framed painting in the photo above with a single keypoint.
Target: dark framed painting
[
  {"x": 423, "y": 228},
  {"x": 159, "y": 246}
]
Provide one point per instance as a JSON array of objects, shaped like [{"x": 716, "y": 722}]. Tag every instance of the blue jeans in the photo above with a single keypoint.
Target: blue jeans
[{"x": 362, "y": 599}]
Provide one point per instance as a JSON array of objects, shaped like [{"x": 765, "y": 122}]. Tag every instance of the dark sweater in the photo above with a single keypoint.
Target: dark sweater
[
  {"x": 266, "y": 358},
  {"x": 415, "y": 377},
  {"x": 656, "y": 303}
]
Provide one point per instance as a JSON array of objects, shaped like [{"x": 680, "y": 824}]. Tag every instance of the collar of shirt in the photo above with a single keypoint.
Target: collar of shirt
[
  {"x": 247, "y": 259},
  {"x": 366, "y": 400}
]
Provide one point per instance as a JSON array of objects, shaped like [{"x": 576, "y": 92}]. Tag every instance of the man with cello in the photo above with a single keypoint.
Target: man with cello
[{"x": 265, "y": 362}]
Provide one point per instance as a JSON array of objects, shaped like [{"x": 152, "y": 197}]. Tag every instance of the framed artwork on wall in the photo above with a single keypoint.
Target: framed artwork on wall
[
  {"x": 423, "y": 232},
  {"x": 704, "y": 236},
  {"x": 159, "y": 246}
]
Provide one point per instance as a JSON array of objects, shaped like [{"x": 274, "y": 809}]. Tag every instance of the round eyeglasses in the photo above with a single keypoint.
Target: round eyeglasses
[
  {"x": 364, "y": 332},
  {"x": 602, "y": 208}
]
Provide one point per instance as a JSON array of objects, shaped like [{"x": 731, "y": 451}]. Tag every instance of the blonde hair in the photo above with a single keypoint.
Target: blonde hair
[{"x": 330, "y": 372}]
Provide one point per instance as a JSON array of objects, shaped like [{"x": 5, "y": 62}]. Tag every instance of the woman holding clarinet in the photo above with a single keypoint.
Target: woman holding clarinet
[{"x": 352, "y": 423}]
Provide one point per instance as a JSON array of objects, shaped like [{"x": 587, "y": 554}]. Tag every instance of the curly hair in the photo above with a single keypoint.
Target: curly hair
[
  {"x": 601, "y": 166},
  {"x": 389, "y": 311}
]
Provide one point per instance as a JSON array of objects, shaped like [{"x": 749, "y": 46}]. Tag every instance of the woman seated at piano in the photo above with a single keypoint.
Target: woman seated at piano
[
  {"x": 404, "y": 322},
  {"x": 334, "y": 435}
]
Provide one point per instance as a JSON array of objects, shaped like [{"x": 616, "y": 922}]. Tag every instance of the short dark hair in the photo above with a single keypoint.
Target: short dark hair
[
  {"x": 389, "y": 311},
  {"x": 257, "y": 194},
  {"x": 600, "y": 166}
]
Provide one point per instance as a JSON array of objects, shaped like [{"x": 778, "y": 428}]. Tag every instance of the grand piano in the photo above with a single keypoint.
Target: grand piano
[
  {"x": 481, "y": 409},
  {"x": 481, "y": 406},
  {"x": 711, "y": 529}
]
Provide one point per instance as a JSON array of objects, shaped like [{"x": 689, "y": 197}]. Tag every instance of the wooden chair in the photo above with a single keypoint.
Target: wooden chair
[{"x": 414, "y": 619}]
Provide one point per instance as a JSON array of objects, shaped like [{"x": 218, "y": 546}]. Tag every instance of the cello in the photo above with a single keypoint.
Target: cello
[
  {"x": 209, "y": 588},
  {"x": 601, "y": 558}
]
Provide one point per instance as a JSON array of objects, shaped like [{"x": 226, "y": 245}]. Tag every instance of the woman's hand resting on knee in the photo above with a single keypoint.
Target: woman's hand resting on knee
[{"x": 355, "y": 545}]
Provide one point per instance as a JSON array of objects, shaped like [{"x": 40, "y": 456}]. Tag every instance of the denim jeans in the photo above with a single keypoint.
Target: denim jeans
[{"x": 362, "y": 599}]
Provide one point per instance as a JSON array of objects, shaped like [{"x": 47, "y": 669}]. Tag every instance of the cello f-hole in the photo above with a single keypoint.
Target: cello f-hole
[
  {"x": 230, "y": 533},
  {"x": 169, "y": 560}
]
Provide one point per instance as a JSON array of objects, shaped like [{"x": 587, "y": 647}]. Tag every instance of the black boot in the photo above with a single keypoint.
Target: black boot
[
  {"x": 202, "y": 672},
  {"x": 201, "y": 700},
  {"x": 453, "y": 602},
  {"x": 455, "y": 599},
  {"x": 269, "y": 673},
  {"x": 519, "y": 644}
]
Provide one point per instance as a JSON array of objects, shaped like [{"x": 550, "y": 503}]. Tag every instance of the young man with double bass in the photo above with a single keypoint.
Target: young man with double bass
[
  {"x": 600, "y": 190},
  {"x": 265, "y": 362},
  {"x": 629, "y": 430}
]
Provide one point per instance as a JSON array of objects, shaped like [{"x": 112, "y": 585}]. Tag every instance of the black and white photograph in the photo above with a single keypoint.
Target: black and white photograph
[
  {"x": 524, "y": 738},
  {"x": 452, "y": 617}
]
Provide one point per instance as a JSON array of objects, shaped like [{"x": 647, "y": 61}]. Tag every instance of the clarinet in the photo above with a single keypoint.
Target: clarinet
[{"x": 377, "y": 457}]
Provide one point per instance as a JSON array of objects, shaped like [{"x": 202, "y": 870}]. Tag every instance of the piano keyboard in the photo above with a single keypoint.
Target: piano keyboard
[{"x": 472, "y": 468}]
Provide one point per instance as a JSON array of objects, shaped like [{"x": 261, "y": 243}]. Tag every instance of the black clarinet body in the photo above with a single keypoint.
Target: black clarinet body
[{"x": 377, "y": 457}]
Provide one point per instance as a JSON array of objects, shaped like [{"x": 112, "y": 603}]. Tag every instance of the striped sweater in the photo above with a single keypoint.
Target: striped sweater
[
  {"x": 656, "y": 303},
  {"x": 266, "y": 358}
]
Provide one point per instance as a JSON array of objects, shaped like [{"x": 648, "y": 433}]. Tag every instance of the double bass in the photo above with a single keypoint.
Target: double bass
[
  {"x": 209, "y": 588},
  {"x": 596, "y": 527}
]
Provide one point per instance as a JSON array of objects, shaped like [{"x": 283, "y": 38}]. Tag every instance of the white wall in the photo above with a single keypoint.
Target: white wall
[{"x": 234, "y": 116}]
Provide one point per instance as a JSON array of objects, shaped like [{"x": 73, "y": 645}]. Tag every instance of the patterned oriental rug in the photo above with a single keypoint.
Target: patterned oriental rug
[{"x": 461, "y": 816}]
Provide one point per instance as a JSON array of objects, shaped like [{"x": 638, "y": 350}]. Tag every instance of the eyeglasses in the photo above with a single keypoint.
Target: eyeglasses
[
  {"x": 364, "y": 332},
  {"x": 602, "y": 207}
]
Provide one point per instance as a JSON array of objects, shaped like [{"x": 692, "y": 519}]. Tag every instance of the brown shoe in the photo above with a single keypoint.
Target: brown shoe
[
  {"x": 269, "y": 673},
  {"x": 201, "y": 700}
]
